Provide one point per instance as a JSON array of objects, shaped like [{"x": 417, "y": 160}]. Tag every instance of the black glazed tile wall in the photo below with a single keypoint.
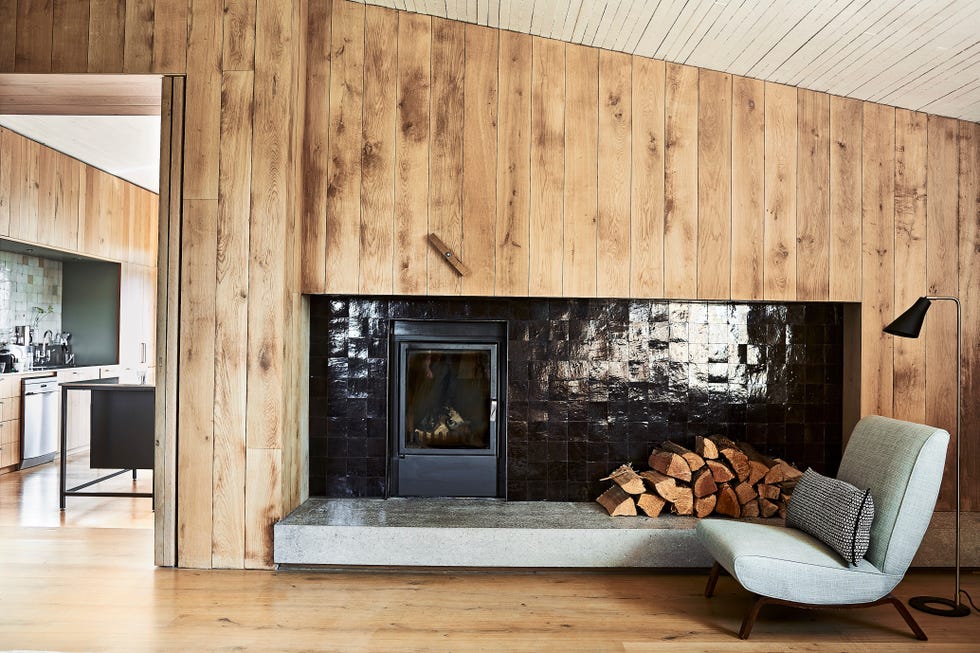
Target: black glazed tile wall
[{"x": 592, "y": 383}]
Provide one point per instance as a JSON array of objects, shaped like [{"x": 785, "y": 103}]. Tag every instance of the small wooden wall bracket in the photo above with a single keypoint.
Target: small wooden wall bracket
[{"x": 447, "y": 253}]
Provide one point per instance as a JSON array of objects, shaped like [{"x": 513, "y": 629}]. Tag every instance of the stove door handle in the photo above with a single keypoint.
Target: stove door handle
[{"x": 493, "y": 410}]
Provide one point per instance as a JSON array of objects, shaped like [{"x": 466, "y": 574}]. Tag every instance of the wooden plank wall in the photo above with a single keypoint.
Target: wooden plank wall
[
  {"x": 240, "y": 326},
  {"x": 607, "y": 175},
  {"x": 258, "y": 72}
]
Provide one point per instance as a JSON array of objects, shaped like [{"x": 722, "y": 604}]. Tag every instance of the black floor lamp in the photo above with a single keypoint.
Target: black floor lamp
[{"x": 908, "y": 325}]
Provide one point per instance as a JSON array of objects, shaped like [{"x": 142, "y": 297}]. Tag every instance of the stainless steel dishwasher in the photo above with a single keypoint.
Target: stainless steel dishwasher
[{"x": 41, "y": 424}]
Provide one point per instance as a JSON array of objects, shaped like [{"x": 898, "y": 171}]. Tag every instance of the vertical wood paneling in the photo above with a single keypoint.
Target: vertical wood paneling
[
  {"x": 446, "y": 151},
  {"x": 942, "y": 269},
  {"x": 170, "y": 36},
  {"x": 315, "y": 142},
  {"x": 714, "y": 185},
  {"x": 195, "y": 419},
  {"x": 480, "y": 160},
  {"x": 262, "y": 504},
  {"x": 846, "y": 120},
  {"x": 69, "y": 38},
  {"x": 513, "y": 164},
  {"x": 412, "y": 154},
  {"x": 138, "y": 53},
  {"x": 231, "y": 321},
  {"x": 6, "y": 179},
  {"x": 614, "y": 163},
  {"x": 33, "y": 53},
  {"x": 581, "y": 155},
  {"x": 681, "y": 183},
  {"x": 23, "y": 186},
  {"x": 8, "y": 34},
  {"x": 813, "y": 214},
  {"x": 910, "y": 259},
  {"x": 50, "y": 191},
  {"x": 106, "y": 35},
  {"x": 238, "y": 51},
  {"x": 969, "y": 293},
  {"x": 547, "y": 167},
  {"x": 647, "y": 197},
  {"x": 344, "y": 147},
  {"x": 203, "y": 100},
  {"x": 267, "y": 233},
  {"x": 72, "y": 179},
  {"x": 378, "y": 154},
  {"x": 878, "y": 259},
  {"x": 748, "y": 187},
  {"x": 779, "y": 275}
]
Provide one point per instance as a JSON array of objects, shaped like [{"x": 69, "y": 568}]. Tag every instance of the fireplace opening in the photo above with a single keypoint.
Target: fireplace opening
[{"x": 447, "y": 390}]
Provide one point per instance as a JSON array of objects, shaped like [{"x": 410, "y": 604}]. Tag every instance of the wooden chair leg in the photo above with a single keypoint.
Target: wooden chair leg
[
  {"x": 907, "y": 616},
  {"x": 709, "y": 590},
  {"x": 749, "y": 621}
]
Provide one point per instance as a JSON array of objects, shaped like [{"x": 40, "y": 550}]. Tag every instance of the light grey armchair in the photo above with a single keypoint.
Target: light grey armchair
[{"x": 902, "y": 463}]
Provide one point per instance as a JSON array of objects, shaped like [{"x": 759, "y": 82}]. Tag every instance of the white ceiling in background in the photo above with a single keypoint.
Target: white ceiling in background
[
  {"x": 915, "y": 54},
  {"x": 125, "y": 146}
]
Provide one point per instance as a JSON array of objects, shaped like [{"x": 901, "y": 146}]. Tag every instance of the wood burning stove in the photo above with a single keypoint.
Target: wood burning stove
[{"x": 448, "y": 422}]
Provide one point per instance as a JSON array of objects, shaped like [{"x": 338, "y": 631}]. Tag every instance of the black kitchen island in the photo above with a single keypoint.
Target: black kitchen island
[{"x": 121, "y": 432}]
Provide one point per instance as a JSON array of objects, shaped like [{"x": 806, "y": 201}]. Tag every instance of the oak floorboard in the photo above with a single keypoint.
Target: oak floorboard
[{"x": 50, "y": 567}]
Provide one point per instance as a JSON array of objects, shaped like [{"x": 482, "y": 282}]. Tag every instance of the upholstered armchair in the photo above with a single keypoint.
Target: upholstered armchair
[{"x": 902, "y": 463}]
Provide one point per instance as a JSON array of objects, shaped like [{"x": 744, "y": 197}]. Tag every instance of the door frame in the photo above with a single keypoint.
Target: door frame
[{"x": 167, "y": 320}]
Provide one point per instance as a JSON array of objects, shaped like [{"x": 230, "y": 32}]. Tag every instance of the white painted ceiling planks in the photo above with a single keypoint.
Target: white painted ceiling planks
[{"x": 914, "y": 54}]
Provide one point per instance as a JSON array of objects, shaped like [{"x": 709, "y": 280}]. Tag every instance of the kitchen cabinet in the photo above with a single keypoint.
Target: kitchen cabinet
[
  {"x": 78, "y": 432},
  {"x": 137, "y": 317},
  {"x": 53, "y": 200},
  {"x": 10, "y": 419}
]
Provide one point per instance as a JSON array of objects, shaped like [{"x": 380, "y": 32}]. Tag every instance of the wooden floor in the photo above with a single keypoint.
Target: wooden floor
[{"x": 79, "y": 583}]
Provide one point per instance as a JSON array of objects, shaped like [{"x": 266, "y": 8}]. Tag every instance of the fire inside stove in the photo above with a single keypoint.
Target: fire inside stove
[
  {"x": 447, "y": 385},
  {"x": 448, "y": 400}
]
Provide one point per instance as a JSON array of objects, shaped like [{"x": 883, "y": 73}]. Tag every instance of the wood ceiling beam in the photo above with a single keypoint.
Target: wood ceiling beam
[{"x": 80, "y": 95}]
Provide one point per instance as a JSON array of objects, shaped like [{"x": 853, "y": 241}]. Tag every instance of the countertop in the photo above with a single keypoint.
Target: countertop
[{"x": 110, "y": 383}]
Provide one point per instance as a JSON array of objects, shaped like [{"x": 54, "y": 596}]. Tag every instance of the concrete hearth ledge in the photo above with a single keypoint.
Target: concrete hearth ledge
[{"x": 480, "y": 533}]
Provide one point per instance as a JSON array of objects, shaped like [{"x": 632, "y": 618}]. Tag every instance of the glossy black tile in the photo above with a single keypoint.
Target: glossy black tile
[{"x": 591, "y": 384}]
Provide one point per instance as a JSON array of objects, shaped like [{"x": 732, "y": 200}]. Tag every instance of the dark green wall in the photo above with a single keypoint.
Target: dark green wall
[{"x": 90, "y": 310}]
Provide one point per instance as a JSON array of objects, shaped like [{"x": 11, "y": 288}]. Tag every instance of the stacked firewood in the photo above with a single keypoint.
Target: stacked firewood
[{"x": 718, "y": 477}]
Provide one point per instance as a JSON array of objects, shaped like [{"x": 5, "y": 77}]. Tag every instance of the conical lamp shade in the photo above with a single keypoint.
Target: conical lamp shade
[{"x": 909, "y": 323}]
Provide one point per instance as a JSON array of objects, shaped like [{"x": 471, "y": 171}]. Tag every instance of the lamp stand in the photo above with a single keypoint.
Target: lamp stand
[{"x": 934, "y": 604}]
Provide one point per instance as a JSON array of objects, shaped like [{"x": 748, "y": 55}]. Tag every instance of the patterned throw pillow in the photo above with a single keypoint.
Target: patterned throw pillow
[{"x": 836, "y": 513}]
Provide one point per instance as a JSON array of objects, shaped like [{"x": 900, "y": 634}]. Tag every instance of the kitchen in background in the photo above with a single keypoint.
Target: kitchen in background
[{"x": 30, "y": 295}]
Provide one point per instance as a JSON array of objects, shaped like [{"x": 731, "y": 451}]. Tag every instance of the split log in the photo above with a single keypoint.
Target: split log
[
  {"x": 703, "y": 483},
  {"x": 781, "y": 472},
  {"x": 650, "y": 504},
  {"x": 782, "y": 512},
  {"x": 738, "y": 461},
  {"x": 626, "y": 478},
  {"x": 728, "y": 502},
  {"x": 722, "y": 442},
  {"x": 704, "y": 506},
  {"x": 694, "y": 461},
  {"x": 750, "y": 508},
  {"x": 662, "y": 485},
  {"x": 670, "y": 464},
  {"x": 683, "y": 501},
  {"x": 705, "y": 448},
  {"x": 770, "y": 492},
  {"x": 617, "y": 502},
  {"x": 767, "y": 507},
  {"x": 745, "y": 493},
  {"x": 791, "y": 471},
  {"x": 757, "y": 471},
  {"x": 719, "y": 471}
]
